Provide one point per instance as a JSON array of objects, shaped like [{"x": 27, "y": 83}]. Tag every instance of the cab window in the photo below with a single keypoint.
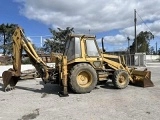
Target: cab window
[{"x": 91, "y": 48}]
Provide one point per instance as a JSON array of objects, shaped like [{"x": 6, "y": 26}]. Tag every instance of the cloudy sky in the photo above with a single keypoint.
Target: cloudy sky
[{"x": 113, "y": 20}]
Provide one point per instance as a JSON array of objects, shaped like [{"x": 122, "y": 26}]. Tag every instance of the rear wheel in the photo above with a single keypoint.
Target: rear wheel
[
  {"x": 83, "y": 78},
  {"x": 120, "y": 79}
]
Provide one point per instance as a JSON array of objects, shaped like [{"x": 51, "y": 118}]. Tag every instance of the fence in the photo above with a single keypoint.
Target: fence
[
  {"x": 137, "y": 59},
  {"x": 39, "y": 41}
]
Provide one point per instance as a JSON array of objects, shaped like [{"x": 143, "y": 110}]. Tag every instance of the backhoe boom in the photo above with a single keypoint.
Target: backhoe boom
[{"x": 20, "y": 42}]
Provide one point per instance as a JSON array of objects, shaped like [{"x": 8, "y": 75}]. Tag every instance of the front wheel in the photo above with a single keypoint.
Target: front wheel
[
  {"x": 83, "y": 78},
  {"x": 120, "y": 79}
]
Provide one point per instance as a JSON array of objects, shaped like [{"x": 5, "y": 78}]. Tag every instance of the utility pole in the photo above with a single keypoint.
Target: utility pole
[
  {"x": 135, "y": 21},
  {"x": 128, "y": 45}
]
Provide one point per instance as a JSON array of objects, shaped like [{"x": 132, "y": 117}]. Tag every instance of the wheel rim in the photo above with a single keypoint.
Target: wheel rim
[
  {"x": 122, "y": 79},
  {"x": 84, "y": 79}
]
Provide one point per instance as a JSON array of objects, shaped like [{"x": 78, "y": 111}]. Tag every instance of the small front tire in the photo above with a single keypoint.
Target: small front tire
[{"x": 120, "y": 79}]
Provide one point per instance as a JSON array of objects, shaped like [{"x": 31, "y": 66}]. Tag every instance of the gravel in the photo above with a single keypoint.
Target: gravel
[{"x": 34, "y": 100}]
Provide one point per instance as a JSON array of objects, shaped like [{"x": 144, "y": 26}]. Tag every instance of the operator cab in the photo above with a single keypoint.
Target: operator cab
[{"x": 79, "y": 46}]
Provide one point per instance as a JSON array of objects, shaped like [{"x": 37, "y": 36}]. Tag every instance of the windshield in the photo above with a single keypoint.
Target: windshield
[{"x": 91, "y": 48}]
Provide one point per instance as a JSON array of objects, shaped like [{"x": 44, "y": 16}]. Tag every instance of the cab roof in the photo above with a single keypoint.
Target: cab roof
[{"x": 83, "y": 35}]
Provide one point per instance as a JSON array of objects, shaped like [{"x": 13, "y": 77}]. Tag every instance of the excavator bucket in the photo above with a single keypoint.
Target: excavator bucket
[
  {"x": 142, "y": 78},
  {"x": 9, "y": 80}
]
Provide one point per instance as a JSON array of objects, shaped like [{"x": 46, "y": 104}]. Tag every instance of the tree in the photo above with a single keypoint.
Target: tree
[
  {"x": 143, "y": 39},
  {"x": 56, "y": 43},
  {"x": 6, "y": 31}
]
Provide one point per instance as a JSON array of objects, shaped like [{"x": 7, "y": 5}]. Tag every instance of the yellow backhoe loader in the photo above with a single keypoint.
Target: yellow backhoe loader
[{"x": 80, "y": 67}]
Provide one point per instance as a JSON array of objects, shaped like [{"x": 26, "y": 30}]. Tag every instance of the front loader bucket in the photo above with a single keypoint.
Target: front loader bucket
[
  {"x": 142, "y": 78},
  {"x": 9, "y": 80}
]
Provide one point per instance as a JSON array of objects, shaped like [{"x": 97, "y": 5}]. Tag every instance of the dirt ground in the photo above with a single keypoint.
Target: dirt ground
[{"x": 34, "y": 100}]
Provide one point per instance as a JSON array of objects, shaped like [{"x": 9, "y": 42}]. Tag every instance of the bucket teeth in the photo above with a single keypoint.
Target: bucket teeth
[{"x": 9, "y": 88}]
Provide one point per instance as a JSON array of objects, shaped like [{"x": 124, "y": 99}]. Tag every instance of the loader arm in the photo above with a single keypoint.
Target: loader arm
[
  {"x": 136, "y": 77},
  {"x": 116, "y": 64}
]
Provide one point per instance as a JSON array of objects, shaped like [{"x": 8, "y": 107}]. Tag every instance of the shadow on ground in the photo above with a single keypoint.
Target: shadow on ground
[
  {"x": 1, "y": 87},
  {"x": 107, "y": 85},
  {"x": 55, "y": 89},
  {"x": 47, "y": 88}
]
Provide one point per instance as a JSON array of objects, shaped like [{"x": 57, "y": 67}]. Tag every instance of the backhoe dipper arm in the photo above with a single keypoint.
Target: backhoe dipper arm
[{"x": 21, "y": 42}]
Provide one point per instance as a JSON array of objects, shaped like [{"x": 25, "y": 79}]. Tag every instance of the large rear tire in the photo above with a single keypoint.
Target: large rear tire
[
  {"x": 120, "y": 79},
  {"x": 83, "y": 78}
]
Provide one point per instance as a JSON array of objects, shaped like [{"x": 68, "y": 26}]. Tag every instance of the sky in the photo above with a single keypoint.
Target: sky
[{"x": 111, "y": 19}]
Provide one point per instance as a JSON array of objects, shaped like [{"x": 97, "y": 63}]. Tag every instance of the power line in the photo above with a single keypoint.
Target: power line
[
  {"x": 146, "y": 24},
  {"x": 148, "y": 29},
  {"x": 143, "y": 21}
]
